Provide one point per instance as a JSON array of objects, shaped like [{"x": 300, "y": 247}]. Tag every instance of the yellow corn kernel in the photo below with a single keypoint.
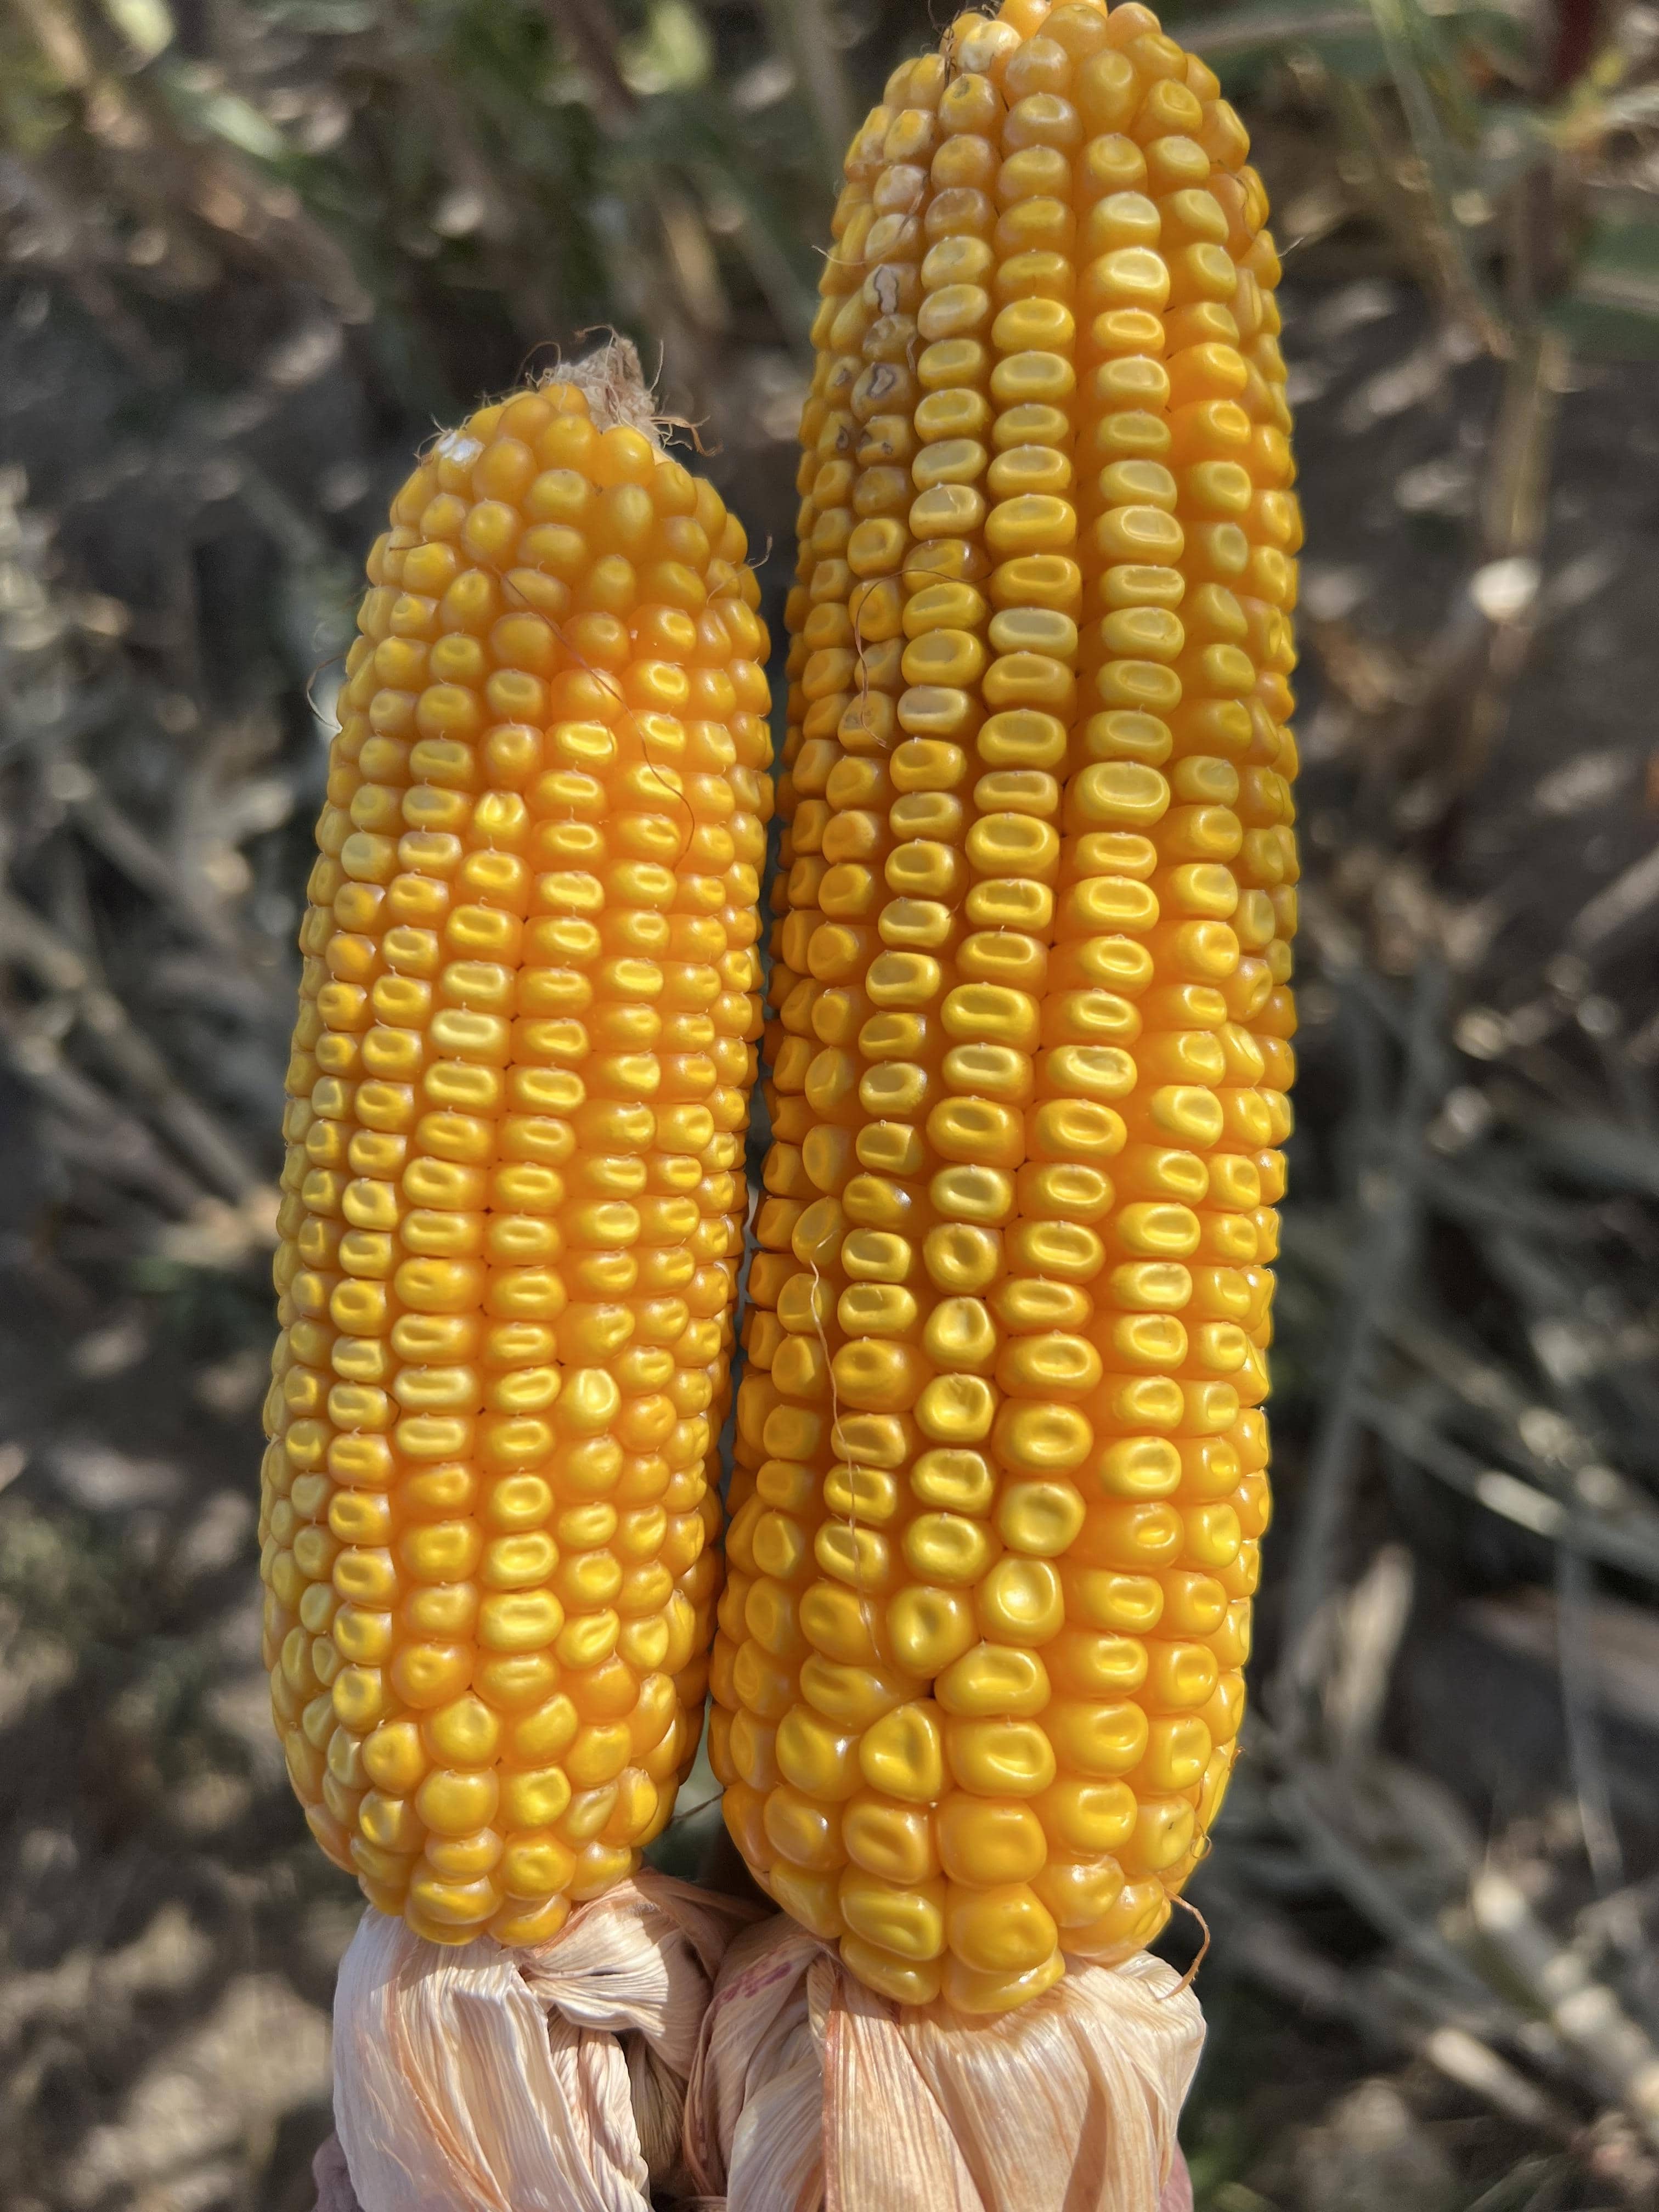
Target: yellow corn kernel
[
  {"x": 1000, "y": 1454},
  {"x": 520, "y": 1082}
]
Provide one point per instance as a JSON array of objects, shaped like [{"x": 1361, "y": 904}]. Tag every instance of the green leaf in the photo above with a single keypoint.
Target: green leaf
[
  {"x": 146, "y": 25},
  {"x": 240, "y": 124},
  {"x": 673, "y": 53},
  {"x": 1612, "y": 304},
  {"x": 1237, "y": 43},
  {"x": 216, "y": 113},
  {"x": 324, "y": 19}
]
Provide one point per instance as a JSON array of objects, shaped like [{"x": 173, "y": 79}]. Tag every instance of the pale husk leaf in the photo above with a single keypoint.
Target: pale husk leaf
[
  {"x": 483, "y": 2079},
  {"x": 808, "y": 2091}
]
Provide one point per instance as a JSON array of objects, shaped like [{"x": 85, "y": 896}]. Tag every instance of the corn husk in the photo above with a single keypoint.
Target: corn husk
[
  {"x": 810, "y": 2092},
  {"x": 476, "y": 2079},
  {"x": 328, "y": 2170}
]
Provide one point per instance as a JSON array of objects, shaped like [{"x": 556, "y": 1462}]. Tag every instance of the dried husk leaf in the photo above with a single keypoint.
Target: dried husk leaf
[
  {"x": 328, "y": 2170},
  {"x": 810, "y": 2092},
  {"x": 552, "y": 2080}
]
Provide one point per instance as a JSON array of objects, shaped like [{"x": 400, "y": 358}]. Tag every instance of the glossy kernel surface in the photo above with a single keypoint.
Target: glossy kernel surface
[
  {"x": 1001, "y": 1458},
  {"x": 513, "y": 1200}
]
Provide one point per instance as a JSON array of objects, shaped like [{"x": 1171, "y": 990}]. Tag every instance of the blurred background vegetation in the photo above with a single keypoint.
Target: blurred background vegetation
[{"x": 251, "y": 252}]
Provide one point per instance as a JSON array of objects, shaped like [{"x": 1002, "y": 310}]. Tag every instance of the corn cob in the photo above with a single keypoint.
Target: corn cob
[
  {"x": 1001, "y": 1460},
  {"x": 514, "y": 1198}
]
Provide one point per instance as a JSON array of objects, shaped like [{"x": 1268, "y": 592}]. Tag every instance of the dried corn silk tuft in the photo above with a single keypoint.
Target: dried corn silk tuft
[
  {"x": 1001, "y": 1456},
  {"x": 810, "y": 2090},
  {"x": 548, "y": 2079}
]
